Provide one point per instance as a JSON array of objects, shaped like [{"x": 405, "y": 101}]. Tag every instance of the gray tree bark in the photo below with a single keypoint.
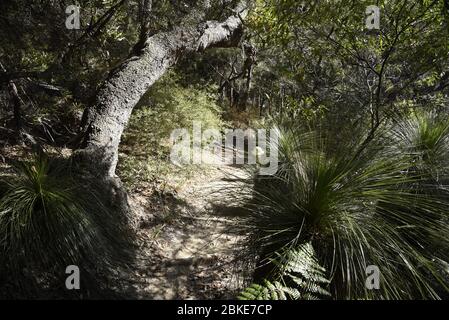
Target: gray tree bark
[{"x": 106, "y": 119}]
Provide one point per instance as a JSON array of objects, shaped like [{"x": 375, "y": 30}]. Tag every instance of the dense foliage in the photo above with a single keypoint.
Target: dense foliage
[
  {"x": 385, "y": 205},
  {"x": 363, "y": 175},
  {"x": 49, "y": 220}
]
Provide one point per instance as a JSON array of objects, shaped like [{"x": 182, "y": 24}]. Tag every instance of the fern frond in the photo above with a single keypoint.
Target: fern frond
[
  {"x": 301, "y": 277},
  {"x": 269, "y": 291}
]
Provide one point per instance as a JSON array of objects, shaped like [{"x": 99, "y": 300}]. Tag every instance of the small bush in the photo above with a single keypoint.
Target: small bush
[
  {"x": 386, "y": 206},
  {"x": 50, "y": 220},
  {"x": 167, "y": 106}
]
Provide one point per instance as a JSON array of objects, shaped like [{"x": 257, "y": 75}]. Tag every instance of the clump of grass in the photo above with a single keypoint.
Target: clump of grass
[
  {"x": 358, "y": 209},
  {"x": 425, "y": 137},
  {"x": 50, "y": 220}
]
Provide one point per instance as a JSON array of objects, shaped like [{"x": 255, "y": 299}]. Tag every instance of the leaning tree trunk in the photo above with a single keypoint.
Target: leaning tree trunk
[{"x": 106, "y": 119}]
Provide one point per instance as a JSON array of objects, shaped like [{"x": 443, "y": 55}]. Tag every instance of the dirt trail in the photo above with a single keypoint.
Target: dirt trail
[{"x": 197, "y": 253}]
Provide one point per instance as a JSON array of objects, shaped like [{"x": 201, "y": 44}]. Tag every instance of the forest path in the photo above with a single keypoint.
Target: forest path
[{"x": 196, "y": 251}]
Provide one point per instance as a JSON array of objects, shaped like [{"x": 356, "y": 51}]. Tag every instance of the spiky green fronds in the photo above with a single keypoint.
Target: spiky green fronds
[
  {"x": 359, "y": 209},
  {"x": 49, "y": 220}
]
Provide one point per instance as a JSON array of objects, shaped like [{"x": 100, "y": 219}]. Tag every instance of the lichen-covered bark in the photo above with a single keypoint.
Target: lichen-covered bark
[{"x": 116, "y": 98}]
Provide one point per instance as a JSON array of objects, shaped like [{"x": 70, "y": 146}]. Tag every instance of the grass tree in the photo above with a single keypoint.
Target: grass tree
[
  {"x": 50, "y": 220},
  {"x": 387, "y": 206}
]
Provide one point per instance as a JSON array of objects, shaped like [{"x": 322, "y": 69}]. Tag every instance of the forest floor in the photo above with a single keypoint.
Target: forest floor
[{"x": 191, "y": 247}]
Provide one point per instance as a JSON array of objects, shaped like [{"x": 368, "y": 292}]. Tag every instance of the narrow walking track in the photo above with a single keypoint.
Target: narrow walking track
[{"x": 198, "y": 253}]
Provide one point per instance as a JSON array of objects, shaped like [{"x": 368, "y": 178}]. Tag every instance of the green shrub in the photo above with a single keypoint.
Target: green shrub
[
  {"x": 50, "y": 220},
  {"x": 170, "y": 106},
  {"x": 358, "y": 209},
  {"x": 167, "y": 106},
  {"x": 425, "y": 137}
]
